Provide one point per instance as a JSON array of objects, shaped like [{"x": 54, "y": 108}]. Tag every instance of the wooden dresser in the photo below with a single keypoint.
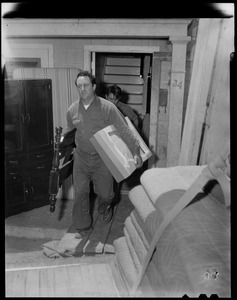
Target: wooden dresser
[{"x": 28, "y": 143}]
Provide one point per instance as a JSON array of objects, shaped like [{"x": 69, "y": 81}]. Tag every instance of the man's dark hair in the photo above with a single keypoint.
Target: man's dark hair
[
  {"x": 87, "y": 74},
  {"x": 115, "y": 90}
]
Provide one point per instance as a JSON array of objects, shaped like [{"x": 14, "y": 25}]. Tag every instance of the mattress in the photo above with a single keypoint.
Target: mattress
[
  {"x": 193, "y": 246},
  {"x": 157, "y": 181},
  {"x": 192, "y": 256}
]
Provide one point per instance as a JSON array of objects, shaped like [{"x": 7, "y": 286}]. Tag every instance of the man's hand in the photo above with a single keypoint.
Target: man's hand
[{"x": 138, "y": 160}]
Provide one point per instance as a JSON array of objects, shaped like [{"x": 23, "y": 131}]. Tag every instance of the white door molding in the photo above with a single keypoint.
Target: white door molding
[
  {"x": 88, "y": 49},
  {"x": 42, "y": 51}
]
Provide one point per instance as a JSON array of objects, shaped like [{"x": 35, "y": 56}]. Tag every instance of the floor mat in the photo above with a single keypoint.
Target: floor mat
[{"x": 93, "y": 243}]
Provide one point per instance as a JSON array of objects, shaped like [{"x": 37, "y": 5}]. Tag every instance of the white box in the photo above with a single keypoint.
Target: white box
[{"x": 115, "y": 153}]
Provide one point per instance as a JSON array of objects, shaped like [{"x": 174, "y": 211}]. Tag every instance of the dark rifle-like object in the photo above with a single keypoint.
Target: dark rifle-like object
[
  {"x": 63, "y": 148},
  {"x": 54, "y": 173}
]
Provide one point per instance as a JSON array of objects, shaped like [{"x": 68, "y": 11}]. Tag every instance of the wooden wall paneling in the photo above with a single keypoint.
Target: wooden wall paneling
[
  {"x": 206, "y": 44},
  {"x": 217, "y": 133},
  {"x": 163, "y": 120},
  {"x": 162, "y": 138},
  {"x": 114, "y": 49},
  {"x": 130, "y": 89},
  {"x": 135, "y": 99},
  {"x": 64, "y": 91},
  {"x": 154, "y": 106},
  {"x": 146, "y": 71},
  {"x": 175, "y": 106},
  {"x": 122, "y": 70},
  {"x": 123, "y": 79},
  {"x": 130, "y": 82},
  {"x": 123, "y": 61},
  {"x": 127, "y": 88}
]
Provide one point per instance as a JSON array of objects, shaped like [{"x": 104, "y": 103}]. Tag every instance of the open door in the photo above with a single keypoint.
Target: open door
[{"x": 129, "y": 71}]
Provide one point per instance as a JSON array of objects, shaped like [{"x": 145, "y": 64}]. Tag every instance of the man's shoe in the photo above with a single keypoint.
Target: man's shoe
[
  {"x": 107, "y": 214},
  {"x": 81, "y": 233}
]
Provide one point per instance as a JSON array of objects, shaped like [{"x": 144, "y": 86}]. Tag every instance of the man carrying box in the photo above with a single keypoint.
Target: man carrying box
[{"x": 89, "y": 115}]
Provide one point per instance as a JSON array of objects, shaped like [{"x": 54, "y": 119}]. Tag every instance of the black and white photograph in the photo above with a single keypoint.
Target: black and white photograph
[{"x": 117, "y": 150}]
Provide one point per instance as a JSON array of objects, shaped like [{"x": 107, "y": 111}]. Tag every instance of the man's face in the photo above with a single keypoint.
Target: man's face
[
  {"x": 85, "y": 88},
  {"x": 112, "y": 98}
]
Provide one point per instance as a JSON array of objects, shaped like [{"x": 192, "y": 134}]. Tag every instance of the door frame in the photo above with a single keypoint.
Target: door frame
[
  {"x": 42, "y": 51},
  {"x": 90, "y": 49},
  {"x": 89, "y": 65}
]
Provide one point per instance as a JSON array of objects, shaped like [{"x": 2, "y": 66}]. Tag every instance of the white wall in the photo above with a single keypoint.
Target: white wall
[{"x": 69, "y": 52}]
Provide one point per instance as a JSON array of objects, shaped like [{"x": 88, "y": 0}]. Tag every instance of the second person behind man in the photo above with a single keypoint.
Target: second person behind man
[{"x": 114, "y": 94}]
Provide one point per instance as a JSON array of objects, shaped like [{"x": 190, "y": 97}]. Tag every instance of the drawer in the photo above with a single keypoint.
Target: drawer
[
  {"x": 41, "y": 156},
  {"x": 14, "y": 174},
  {"x": 15, "y": 161},
  {"x": 39, "y": 169}
]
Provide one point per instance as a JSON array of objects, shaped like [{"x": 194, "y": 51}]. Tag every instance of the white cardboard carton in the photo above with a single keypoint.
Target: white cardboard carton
[{"x": 115, "y": 153}]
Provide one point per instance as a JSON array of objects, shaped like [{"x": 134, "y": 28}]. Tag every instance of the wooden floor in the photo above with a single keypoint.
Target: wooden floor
[
  {"x": 74, "y": 279},
  {"x": 31, "y": 273}
]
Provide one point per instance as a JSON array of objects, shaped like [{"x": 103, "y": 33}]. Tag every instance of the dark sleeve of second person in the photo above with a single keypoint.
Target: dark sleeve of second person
[{"x": 126, "y": 110}]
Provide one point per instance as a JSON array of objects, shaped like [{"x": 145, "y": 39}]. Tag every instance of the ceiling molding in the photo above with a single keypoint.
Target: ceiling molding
[{"x": 132, "y": 28}]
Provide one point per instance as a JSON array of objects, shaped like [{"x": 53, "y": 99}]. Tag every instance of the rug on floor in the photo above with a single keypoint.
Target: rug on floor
[{"x": 92, "y": 244}]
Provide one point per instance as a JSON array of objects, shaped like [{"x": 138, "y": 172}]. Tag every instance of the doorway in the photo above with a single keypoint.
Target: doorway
[
  {"x": 131, "y": 72},
  {"x": 136, "y": 95},
  {"x": 148, "y": 97}
]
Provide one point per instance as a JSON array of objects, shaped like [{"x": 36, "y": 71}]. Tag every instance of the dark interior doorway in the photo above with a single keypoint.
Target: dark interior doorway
[{"x": 130, "y": 71}]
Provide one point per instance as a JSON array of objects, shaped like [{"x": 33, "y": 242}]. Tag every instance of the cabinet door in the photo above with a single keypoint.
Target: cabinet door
[
  {"x": 16, "y": 191},
  {"x": 14, "y": 117},
  {"x": 39, "y": 182},
  {"x": 39, "y": 116}
]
